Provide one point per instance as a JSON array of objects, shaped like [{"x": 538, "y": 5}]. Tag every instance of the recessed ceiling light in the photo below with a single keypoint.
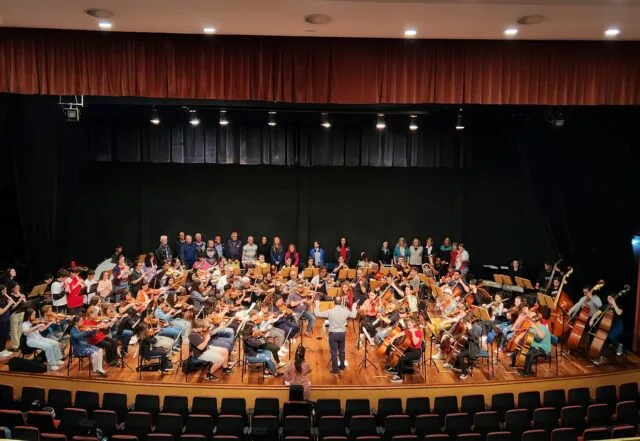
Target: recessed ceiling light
[
  {"x": 612, "y": 32},
  {"x": 104, "y": 25},
  {"x": 410, "y": 33},
  {"x": 209, "y": 30},
  {"x": 510, "y": 32}
]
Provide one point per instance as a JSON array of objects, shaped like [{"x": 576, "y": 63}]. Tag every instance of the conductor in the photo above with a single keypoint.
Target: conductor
[{"x": 337, "y": 317}]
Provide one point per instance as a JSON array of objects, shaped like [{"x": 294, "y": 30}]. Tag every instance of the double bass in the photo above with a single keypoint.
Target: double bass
[
  {"x": 600, "y": 330},
  {"x": 561, "y": 304},
  {"x": 579, "y": 325}
]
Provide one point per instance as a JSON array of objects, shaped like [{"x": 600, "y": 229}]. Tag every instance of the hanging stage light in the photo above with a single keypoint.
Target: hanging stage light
[
  {"x": 193, "y": 117},
  {"x": 224, "y": 121},
  {"x": 325, "y": 121},
  {"x": 155, "y": 116},
  {"x": 380, "y": 124},
  {"x": 272, "y": 119},
  {"x": 413, "y": 123},
  {"x": 459, "y": 121}
]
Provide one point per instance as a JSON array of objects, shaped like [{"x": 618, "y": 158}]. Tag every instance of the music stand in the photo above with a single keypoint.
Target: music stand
[
  {"x": 481, "y": 313},
  {"x": 524, "y": 283},
  {"x": 284, "y": 271},
  {"x": 366, "y": 362},
  {"x": 37, "y": 290},
  {"x": 333, "y": 291}
]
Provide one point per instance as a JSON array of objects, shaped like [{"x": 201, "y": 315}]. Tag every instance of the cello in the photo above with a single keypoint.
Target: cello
[
  {"x": 577, "y": 329},
  {"x": 524, "y": 346},
  {"x": 561, "y": 304},
  {"x": 600, "y": 329}
]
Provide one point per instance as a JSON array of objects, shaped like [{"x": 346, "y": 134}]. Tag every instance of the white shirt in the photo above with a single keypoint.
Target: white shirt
[
  {"x": 415, "y": 255},
  {"x": 88, "y": 284},
  {"x": 461, "y": 258},
  {"x": 32, "y": 336},
  {"x": 57, "y": 288}
]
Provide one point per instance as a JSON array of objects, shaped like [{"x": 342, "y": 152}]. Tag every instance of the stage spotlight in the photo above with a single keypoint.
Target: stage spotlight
[
  {"x": 224, "y": 121},
  {"x": 272, "y": 119},
  {"x": 155, "y": 117},
  {"x": 380, "y": 125},
  {"x": 193, "y": 117},
  {"x": 459, "y": 121},
  {"x": 413, "y": 123},
  {"x": 325, "y": 121},
  {"x": 71, "y": 114}
]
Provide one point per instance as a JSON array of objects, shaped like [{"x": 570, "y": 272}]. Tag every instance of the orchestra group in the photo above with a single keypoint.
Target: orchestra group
[{"x": 204, "y": 298}]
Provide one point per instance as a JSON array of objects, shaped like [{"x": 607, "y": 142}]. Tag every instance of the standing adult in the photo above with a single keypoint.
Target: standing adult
[
  {"x": 385, "y": 255},
  {"x": 337, "y": 317},
  {"x": 233, "y": 249},
  {"x": 263, "y": 248},
  {"x": 317, "y": 254},
  {"x": 188, "y": 252},
  {"x": 17, "y": 314},
  {"x": 401, "y": 250},
  {"x": 163, "y": 252},
  {"x": 276, "y": 254},
  {"x": 249, "y": 253},
  {"x": 6, "y": 303},
  {"x": 343, "y": 250},
  {"x": 178, "y": 245},
  {"x": 201, "y": 245},
  {"x": 415, "y": 254}
]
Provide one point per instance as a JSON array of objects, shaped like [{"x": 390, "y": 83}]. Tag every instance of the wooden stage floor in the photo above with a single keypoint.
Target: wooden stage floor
[{"x": 318, "y": 356}]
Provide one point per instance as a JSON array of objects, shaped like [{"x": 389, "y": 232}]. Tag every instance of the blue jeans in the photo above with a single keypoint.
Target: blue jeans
[
  {"x": 311, "y": 319},
  {"x": 491, "y": 335},
  {"x": 264, "y": 356},
  {"x": 223, "y": 339},
  {"x": 616, "y": 331},
  {"x": 125, "y": 337}
]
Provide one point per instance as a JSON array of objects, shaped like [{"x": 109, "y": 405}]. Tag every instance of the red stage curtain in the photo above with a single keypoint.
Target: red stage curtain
[{"x": 319, "y": 70}]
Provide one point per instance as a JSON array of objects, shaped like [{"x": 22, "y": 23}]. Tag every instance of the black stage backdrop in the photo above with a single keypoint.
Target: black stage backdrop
[{"x": 510, "y": 186}]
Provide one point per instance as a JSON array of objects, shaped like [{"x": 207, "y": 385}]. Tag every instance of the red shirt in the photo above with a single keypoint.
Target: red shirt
[
  {"x": 74, "y": 299},
  {"x": 98, "y": 336},
  {"x": 452, "y": 258},
  {"x": 418, "y": 333},
  {"x": 343, "y": 253}
]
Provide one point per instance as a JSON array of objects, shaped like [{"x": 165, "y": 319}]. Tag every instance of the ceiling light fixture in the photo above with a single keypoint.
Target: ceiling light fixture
[
  {"x": 459, "y": 121},
  {"x": 380, "y": 124},
  {"x": 224, "y": 121},
  {"x": 413, "y": 123},
  {"x": 193, "y": 117},
  {"x": 410, "y": 33},
  {"x": 612, "y": 32},
  {"x": 155, "y": 116},
  {"x": 325, "y": 121},
  {"x": 105, "y": 25},
  {"x": 209, "y": 30},
  {"x": 511, "y": 31},
  {"x": 272, "y": 119}
]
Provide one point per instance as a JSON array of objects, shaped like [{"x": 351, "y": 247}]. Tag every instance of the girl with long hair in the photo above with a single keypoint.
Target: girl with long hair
[{"x": 298, "y": 372}]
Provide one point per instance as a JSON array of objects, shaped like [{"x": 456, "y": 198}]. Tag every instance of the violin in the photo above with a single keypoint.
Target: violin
[{"x": 284, "y": 310}]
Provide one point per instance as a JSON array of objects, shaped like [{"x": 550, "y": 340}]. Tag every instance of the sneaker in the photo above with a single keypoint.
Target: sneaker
[
  {"x": 268, "y": 375},
  {"x": 447, "y": 366},
  {"x": 281, "y": 353},
  {"x": 396, "y": 379},
  {"x": 463, "y": 376},
  {"x": 226, "y": 370},
  {"x": 279, "y": 374},
  {"x": 346, "y": 363},
  {"x": 54, "y": 367},
  {"x": 166, "y": 370},
  {"x": 211, "y": 377},
  {"x": 619, "y": 350},
  {"x": 133, "y": 340},
  {"x": 102, "y": 374},
  {"x": 391, "y": 370},
  {"x": 175, "y": 350},
  {"x": 282, "y": 364},
  {"x": 437, "y": 356}
]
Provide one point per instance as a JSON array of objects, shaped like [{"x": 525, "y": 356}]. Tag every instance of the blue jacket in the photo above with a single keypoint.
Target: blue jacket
[
  {"x": 276, "y": 256},
  {"x": 396, "y": 252},
  {"x": 188, "y": 252},
  {"x": 312, "y": 255},
  {"x": 79, "y": 342}
]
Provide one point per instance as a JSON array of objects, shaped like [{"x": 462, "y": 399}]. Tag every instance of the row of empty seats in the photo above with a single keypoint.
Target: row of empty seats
[{"x": 612, "y": 412}]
